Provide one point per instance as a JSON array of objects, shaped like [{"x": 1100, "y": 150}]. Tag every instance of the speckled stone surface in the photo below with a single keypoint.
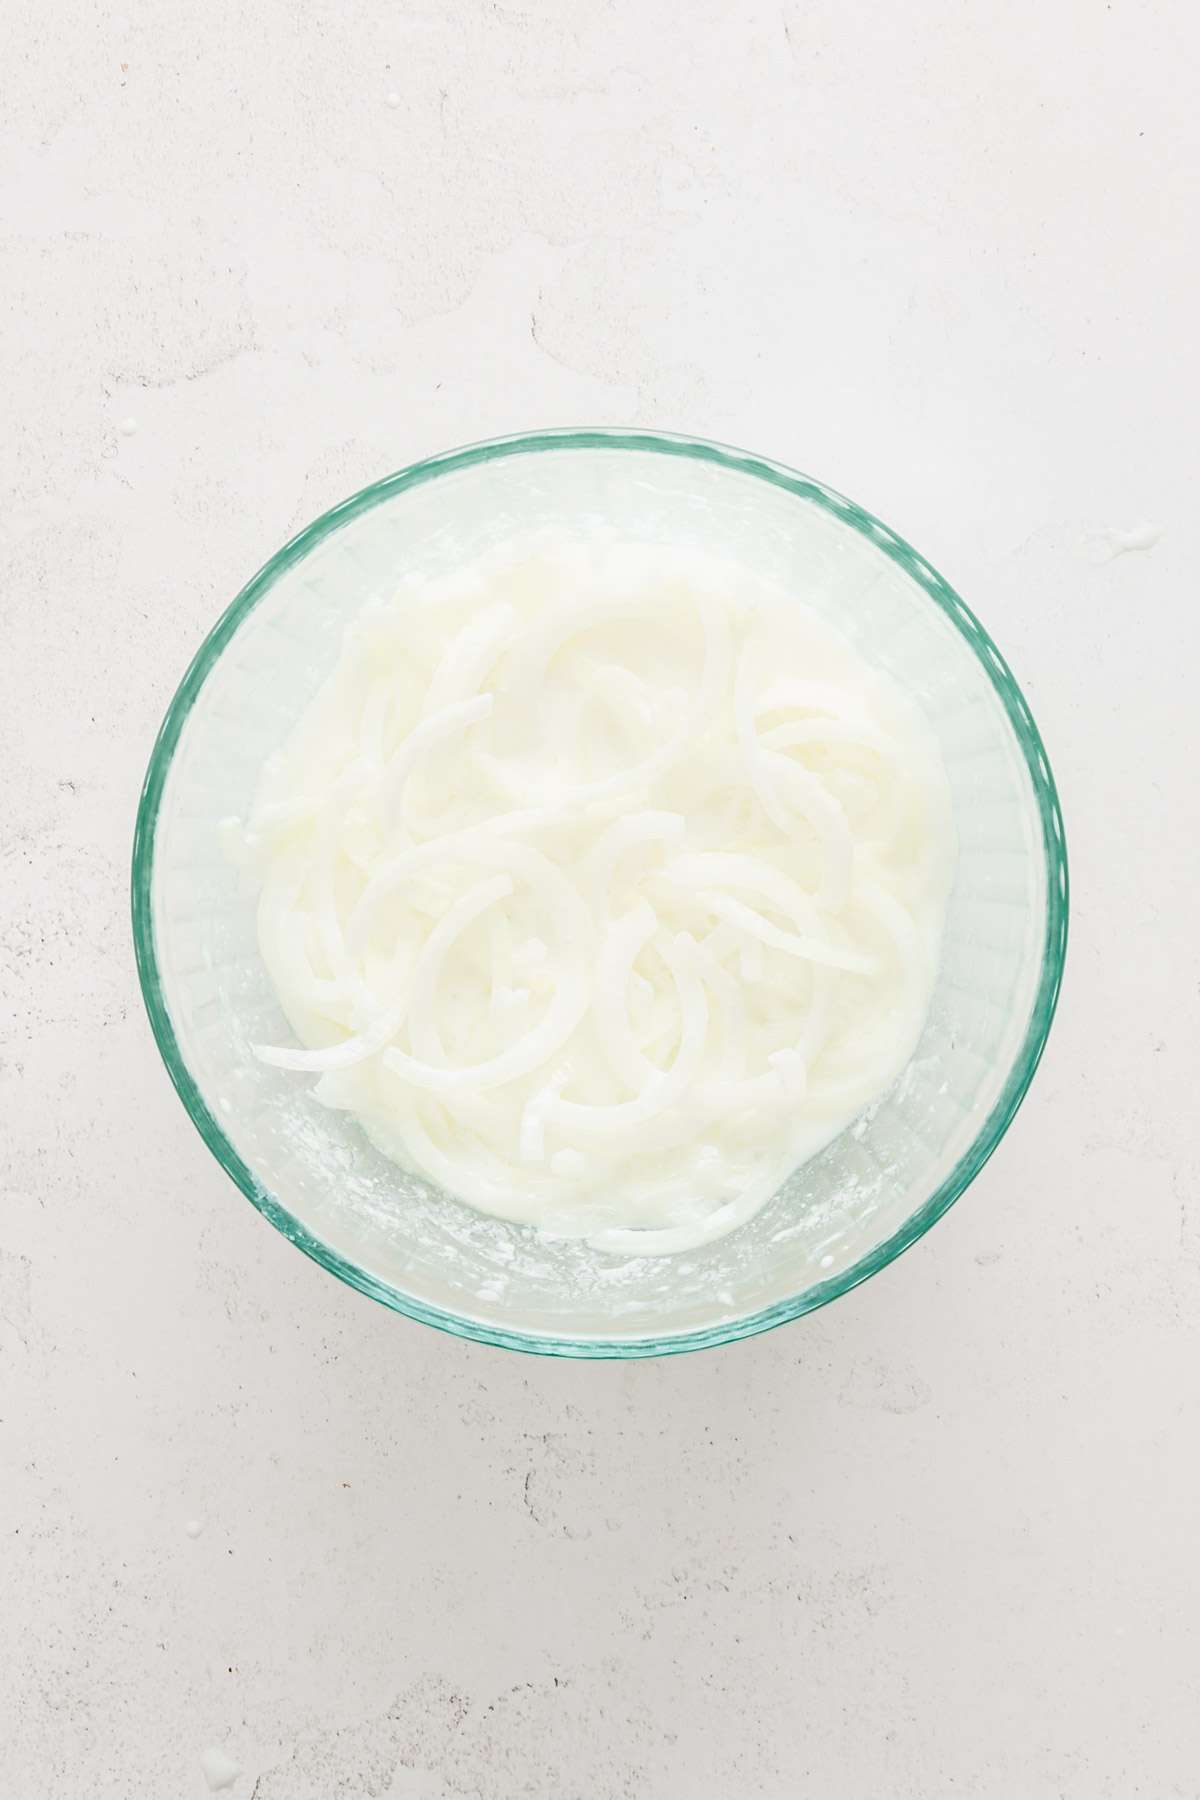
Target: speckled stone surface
[{"x": 940, "y": 1539}]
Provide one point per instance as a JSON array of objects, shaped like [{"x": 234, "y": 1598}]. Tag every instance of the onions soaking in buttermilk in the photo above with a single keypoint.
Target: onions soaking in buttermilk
[{"x": 603, "y": 886}]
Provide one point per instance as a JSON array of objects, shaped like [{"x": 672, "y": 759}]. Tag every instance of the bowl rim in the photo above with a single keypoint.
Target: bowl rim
[{"x": 943, "y": 596}]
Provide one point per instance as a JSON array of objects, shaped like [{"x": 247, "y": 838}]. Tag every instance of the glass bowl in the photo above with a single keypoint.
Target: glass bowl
[{"x": 315, "y": 1176}]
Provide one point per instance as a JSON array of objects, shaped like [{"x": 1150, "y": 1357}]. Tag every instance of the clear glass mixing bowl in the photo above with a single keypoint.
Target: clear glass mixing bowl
[{"x": 312, "y": 1172}]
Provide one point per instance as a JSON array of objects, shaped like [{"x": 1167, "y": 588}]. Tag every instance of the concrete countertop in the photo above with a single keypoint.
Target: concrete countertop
[{"x": 940, "y": 1539}]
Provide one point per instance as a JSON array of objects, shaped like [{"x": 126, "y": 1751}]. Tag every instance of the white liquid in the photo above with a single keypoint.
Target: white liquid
[
  {"x": 604, "y": 886},
  {"x": 219, "y": 1770}
]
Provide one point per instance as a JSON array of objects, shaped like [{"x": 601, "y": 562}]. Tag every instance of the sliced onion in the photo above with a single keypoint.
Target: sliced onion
[
  {"x": 809, "y": 949},
  {"x": 623, "y": 944},
  {"x": 354, "y": 1049},
  {"x": 767, "y": 770},
  {"x": 471, "y": 655},
  {"x": 432, "y": 730},
  {"x": 596, "y": 868},
  {"x": 697, "y": 1072},
  {"x": 696, "y": 874},
  {"x": 572, "y": 993},
  {"x": 596, "y": 1124}
]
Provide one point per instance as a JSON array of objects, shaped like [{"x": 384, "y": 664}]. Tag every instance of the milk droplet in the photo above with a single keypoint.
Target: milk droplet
[
  {"x": 220, "y": 1770},
  {"x": 127, "y": 427},
  {"x": 393, "y": 99},
  {"x": 194, "y": 1527},
  {"x": 1140, "y": 537}
]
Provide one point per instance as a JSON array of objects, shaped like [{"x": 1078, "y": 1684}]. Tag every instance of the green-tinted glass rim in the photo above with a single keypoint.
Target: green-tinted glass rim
[{"x": 943, "y": 596}]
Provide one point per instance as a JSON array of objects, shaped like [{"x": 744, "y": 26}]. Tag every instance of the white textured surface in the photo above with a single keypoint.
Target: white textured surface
[{"x": 940, "y": 1539}]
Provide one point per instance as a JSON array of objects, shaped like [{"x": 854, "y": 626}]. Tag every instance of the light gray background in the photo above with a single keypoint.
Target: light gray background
[{"x": 940, "y": 1540}]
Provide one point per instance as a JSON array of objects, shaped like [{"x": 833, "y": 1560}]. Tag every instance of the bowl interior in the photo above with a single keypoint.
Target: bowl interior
[{"x": 314, "y": 1173}]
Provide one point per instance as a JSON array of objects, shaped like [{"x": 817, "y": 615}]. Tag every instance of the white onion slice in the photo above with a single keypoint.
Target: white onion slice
[
  {"x": 471, "y": 655},
  {"x": 713, "y": 678},
  {"x": 573, "y": 987},
  {"x": 477, "y": 845},
  {"x": 853, "y": 735},
  {"x": 597, "y": 1124},
  {"x": 432, "y": 730},
  {"x": 596, "y": 868},
  {"x": 768, "y": 769},
  {"x": 279, "y": 815},
  {"x": 623, "y": 944},
  {"x": 697, "y": 873},
  {"x": 810, "y": 949},
  {"x": 355, "y": 1049},
  {"x": 673, "y": 1240},
  {"x": 423, "y": 1030}
]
